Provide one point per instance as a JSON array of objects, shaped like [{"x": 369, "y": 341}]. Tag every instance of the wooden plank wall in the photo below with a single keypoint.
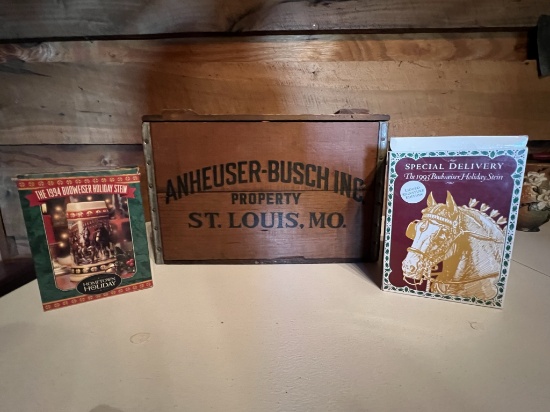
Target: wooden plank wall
[
  {"x": 96, "y": 92},
  {"x": 61, "y": 102},
  {"x": 86, "y": 18}
]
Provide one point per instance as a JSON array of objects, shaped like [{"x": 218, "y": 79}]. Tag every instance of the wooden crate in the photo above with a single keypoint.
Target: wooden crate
[{"x": 265, "y": 188}]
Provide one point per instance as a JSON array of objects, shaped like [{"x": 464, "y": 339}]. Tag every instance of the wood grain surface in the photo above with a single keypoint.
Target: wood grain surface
[
  {"x": 97, "y": 92},
  {"x": 293, "y": 191},
  {"x": 93, "y": 18},
  {"x": 313, "y": 48}
]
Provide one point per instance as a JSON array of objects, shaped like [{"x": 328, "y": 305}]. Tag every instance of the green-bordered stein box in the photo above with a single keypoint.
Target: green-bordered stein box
[
  {"x": 87, "y": 234},
  {"x": 451, "y": 216}
]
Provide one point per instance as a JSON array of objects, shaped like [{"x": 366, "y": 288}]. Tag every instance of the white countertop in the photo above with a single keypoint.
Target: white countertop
[{"x": 281, "y": 338}]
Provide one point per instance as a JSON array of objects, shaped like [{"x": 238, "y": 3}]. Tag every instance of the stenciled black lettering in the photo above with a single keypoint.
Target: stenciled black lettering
[
  {"x": 195, "y": 218},
  {"x": 195, "y": 181},
  {"x": 170, "y": 191},
  {"x": 183, "y": 188},
  {"x": 322, "y": 177},
  {"x": 263, "y": 220},
  {"x": 241, "y": 172},
  {"x": 254, "y": 169},
  {"x": 250, "y": 171},
  {"x": 292, "y": 217},
  {"x": 315, "y": 221},
  {"x": 298, "y": 170},
  {"x": 321, "y": 220},
  {"x": 335, "y": 224},
  {"x": 230, "y": 169},
  {"x": 272, "y": 171},
  {"x": 345, "y": 184},
  {"x": 232, "y": 224},
  {"x": 205, "y": 178},
  {"x": 286, "y": 172},
  {"x": 211, "y": 216},
  {"x": 310, "y": 170},
  {"x": 280, "y": 220},
  {"x": 250, "y": 224},
  {"x": 218, "y": 175},
  {"x": 358, "y": 188}
]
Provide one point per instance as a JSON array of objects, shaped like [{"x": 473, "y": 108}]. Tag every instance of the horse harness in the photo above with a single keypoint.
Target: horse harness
[{"x": 457, "y": 231}]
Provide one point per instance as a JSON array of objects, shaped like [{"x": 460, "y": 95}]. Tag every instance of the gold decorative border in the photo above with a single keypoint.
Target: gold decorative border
[{"x": 39, "y": 183}]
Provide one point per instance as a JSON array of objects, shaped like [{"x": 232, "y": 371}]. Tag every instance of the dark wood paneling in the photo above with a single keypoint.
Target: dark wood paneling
[
  {"x": 89, "y": 18},
  {"x": 96, "y": 92}
]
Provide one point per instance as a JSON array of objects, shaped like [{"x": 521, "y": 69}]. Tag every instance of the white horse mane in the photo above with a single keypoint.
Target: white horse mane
[{"x": 484, "y": 220}]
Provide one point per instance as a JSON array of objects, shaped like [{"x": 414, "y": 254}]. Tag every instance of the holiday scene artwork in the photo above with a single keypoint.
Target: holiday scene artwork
[
  {"x": 88, "y": 235},
  {"x": 93, "y": 227}
]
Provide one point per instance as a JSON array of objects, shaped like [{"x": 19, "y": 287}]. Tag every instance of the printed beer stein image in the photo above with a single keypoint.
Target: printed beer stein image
[{"x": 90, "y": 234}]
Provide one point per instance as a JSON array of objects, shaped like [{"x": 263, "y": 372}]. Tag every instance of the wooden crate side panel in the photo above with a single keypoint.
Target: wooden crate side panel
[
  {"x": 269, "y": 191},
  {"x": 40, "y": 19}
]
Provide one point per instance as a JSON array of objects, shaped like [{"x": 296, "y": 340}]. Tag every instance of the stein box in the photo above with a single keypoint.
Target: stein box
[
  {"x": 271, "y": 189},
  {"x": 87, "y": 234},
  {"x": 452, "y": 207}
]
